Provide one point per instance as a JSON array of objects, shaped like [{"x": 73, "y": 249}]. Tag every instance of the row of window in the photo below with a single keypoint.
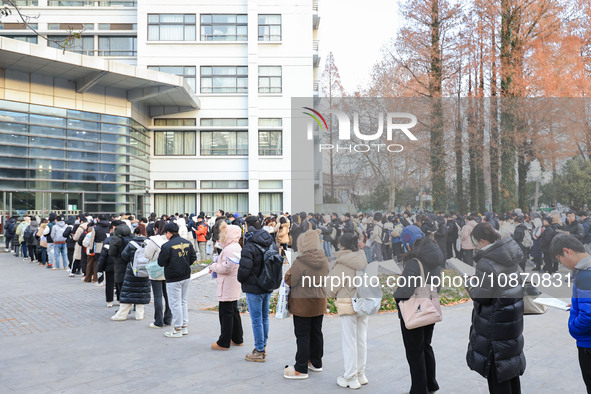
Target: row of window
[
  {"x": 211, "y": 202},
  {"x": 214, "y": 27},
  {"x": 216, "y": 143},
  {"x": 77, "y": 3},
  {"x": 227, "y": 79},
  {"x": 107, "y": 45},
  {"x": 225, "y": 184}
]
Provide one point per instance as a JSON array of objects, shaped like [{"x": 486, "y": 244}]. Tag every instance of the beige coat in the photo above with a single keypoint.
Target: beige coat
[
  {"x": 283, "y": 234},
  {"x": 227, "y": 265},
  {"x": 77, "y": 234},
  {"x": 345, "y": 269}
]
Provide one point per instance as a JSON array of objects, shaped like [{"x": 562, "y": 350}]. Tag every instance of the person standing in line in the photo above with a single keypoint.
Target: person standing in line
[
  {"x": 59, "y": 241},
  {"x": 495, "y": 348},
  {"x": 417, "y": 341},
  {"x": 376, "y": 237},
  {"x": 228, "y": 293},
  {"x": 162, "y": 312},
  {"x": 353, "y": 326},
  {"x": 176, "y": 256},
  {"x": 251, "y": 265},
  {"x": 32, "y": 241},
  {"x": 105, "y": 264},
  {"x": 467, "y": 245},
  {"x": 573, "y": 255},
  {"x": 119, "y": 240},
  {"x": 307, "y": 304},
  {"x": 20, "y": 233}
]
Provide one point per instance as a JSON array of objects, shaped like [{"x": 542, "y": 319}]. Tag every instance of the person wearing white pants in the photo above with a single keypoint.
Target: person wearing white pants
[
  {"x": 353, "y": 326},
  {"x": 176, "y": 256}
]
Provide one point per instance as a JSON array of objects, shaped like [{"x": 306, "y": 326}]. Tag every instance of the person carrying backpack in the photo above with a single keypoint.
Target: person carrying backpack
[
  {"x": 31, "y": 241},
  {"x": 21, "y": 245},
  {"x": 353, "y": 326},
  {"x": 9, "y": 231},
  {"x": 119, "y": 240},
  {"x": 307, "y": 304},
  {"x": 135, "y": 289},
  {"x": 249, "y": 270}
]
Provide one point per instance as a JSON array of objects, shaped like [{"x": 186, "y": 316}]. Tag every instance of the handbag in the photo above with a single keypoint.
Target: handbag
[
  {"x": 155, "y": 272},
  {"x": 423, "y": 307},
  {"x": 282, "y": 311}
]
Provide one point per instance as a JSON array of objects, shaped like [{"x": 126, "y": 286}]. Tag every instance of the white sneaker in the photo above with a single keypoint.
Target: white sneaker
[
  {"x": 185, "y": 330},
  {"x": 362, "y": 378},
  {"x": 311, "y": 367},
  {"x": 109, "y": 304},
  {"x": 352, "y": 383},
  {"x": 173, "y": 334}
]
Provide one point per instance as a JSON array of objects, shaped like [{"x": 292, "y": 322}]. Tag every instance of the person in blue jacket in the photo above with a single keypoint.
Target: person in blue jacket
[{"x": 571, "y": 253}]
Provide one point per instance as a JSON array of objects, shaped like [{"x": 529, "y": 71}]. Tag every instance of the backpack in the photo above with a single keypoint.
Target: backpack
[
  {"x": 272, "y": 273},
  {"x": 386, "y": 235},
  {"x": 139, "y": 261},
  {"x": 10, "y": 229},
  {"x": 29, "y": 235},
  {"x": 409, "y": 235},
  {"x": 368, "y": 296},
  {"x": 209, "y": 233},
  {"x": 527, "y": 242}
]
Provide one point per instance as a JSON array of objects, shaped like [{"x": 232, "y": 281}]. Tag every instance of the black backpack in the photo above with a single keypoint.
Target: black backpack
[
  {"x": 272, "y": 273},
  {"x": 209, "y": 232},
  {"x": 29, "y": 235}
]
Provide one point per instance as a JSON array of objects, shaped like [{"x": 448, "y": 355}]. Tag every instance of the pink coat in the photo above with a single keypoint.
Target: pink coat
[
  {"x": 465, "y": 235},
  {"x": 227, "y": 266}
]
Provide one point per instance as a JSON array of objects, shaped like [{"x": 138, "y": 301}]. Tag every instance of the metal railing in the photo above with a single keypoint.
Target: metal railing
[
  {"x": 315, "y": 5},
  {"x": 315, "y": 45}
]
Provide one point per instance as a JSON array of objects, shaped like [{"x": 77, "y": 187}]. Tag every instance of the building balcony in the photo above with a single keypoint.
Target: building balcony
[
  {"x": 316, "y": 56},
  {"x": 315, "y": 17}
]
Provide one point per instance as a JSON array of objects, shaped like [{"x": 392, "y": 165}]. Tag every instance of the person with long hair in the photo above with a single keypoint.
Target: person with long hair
[
  {"x": 417, "y": 341},
  {"x": 495, "y": 349}
]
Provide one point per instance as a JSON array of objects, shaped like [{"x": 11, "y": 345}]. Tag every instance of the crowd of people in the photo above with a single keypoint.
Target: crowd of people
[{"x": 104, "y": 251}]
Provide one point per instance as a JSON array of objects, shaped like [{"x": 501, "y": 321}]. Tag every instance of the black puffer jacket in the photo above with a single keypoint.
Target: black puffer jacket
[
  {"x": 497, "y": 318},
  {"x": 102, "y": 229},
  {"x": 576, "y": 229},
  {"x": 135, "y": 290},
  {"x": 105, "y": 262},
  {"x": 251, "y": 260},
  {"x": 119, "y": 241},
  {"x": 129, "y": 251},
  {"x": 428, "y": 252}
]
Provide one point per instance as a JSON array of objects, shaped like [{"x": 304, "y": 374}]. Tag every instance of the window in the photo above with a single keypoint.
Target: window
[
  {"x": 219, "y": 79},
  {"x": 70, "y": 3},
  {"x": 224, "y": 143},
  {"x": 223, "y": 27},
  {"x": 270, "y": 143},
  {"x": 224, "y": 122},
  {"x": 70, "y": 26},
  {"x": 25, "y": 3},
  {"x": 271, "y": 202},
  {"x": 184, "y": 71},
  {"x": 17, "y": 26},
  {"x": 174, "y": 143},
  {"x": 269, "y": 79},
  {"x": 117, "y": 26},
  {"x": 83, "y": 45},
  {"x": 117, "y": 46},
  {"x": 175, "y": 122},
  {"x": 31, "y": 39},
  {"x": 269, "y": 27},
  {"x": 175, "y": 184},
  {"x": 230, "y": 202},
  {"x": 224, "y": 184},
  {"x": 171, "y": 203},
  {"x": 171, "y": 27},
  {"x": 271, "y": 184}
]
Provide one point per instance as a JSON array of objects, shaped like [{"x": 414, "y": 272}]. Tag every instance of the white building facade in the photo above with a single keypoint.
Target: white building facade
[{"x": 244, "y": 61}]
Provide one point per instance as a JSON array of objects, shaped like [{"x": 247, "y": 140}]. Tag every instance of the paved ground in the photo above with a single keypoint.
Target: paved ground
[{"x": 56, "y": 336}]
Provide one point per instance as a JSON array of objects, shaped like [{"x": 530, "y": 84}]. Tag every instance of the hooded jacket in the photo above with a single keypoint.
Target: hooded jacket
[
  {"x": 497, "y": 318},
  {"x": 227, "y": 264},
  {"x": 465, "y": 235},
  {"x": 251, "y": 260},
  {"x": 283, "y": 234},
  {"x": 307, "y": 295},
  {"x": 34, "y": 226},
  {"x": 345, "y": 268},
  {"x": 105, "y": 262},
  {"x": 119, "y": 240},
  {"x": 135, "y": 290},
  {"x": 57, "y": 232}
]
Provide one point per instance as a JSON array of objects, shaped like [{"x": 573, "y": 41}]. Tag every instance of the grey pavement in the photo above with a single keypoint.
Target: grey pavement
[{"x": 56, "y": 336}]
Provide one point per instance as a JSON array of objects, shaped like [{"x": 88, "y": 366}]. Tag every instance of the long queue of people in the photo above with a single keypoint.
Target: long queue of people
[{"x": 238, "y": 249}]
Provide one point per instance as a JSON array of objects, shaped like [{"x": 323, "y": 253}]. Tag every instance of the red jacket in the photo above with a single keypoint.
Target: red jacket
[{"x": 201, "y": 231}]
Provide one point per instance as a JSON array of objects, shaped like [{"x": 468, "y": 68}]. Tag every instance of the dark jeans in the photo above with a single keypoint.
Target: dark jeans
[
  {"x": 387, "y": 252},
  {"x": 511, "y": 386},
  {"x": 396, "y": 250},
  {"x": 43, "y": 255},
  {"x": 8, "y": 242},
  {"x": 450, "y": 248},
  {"x": 468, "y": 255},
  {"x": 230, "y": 323},
  {"x": 585, "y": 363},
  {"x": 420, "y": 357},
  {"x": 162, "y": 314},
  {"x": 32, "y": 252},
  {"x": 309, "y": 340},
  {"x": 550, "y": 264},
  {"x": 71, "y": 257},
  {"x": 110, "y": 286}
]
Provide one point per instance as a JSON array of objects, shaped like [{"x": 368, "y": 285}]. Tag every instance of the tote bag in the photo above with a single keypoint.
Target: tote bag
[{"x": 423, "y": 307}]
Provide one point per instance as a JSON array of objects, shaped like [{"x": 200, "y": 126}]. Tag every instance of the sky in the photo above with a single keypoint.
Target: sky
[{"x": 355, "y": 31}]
